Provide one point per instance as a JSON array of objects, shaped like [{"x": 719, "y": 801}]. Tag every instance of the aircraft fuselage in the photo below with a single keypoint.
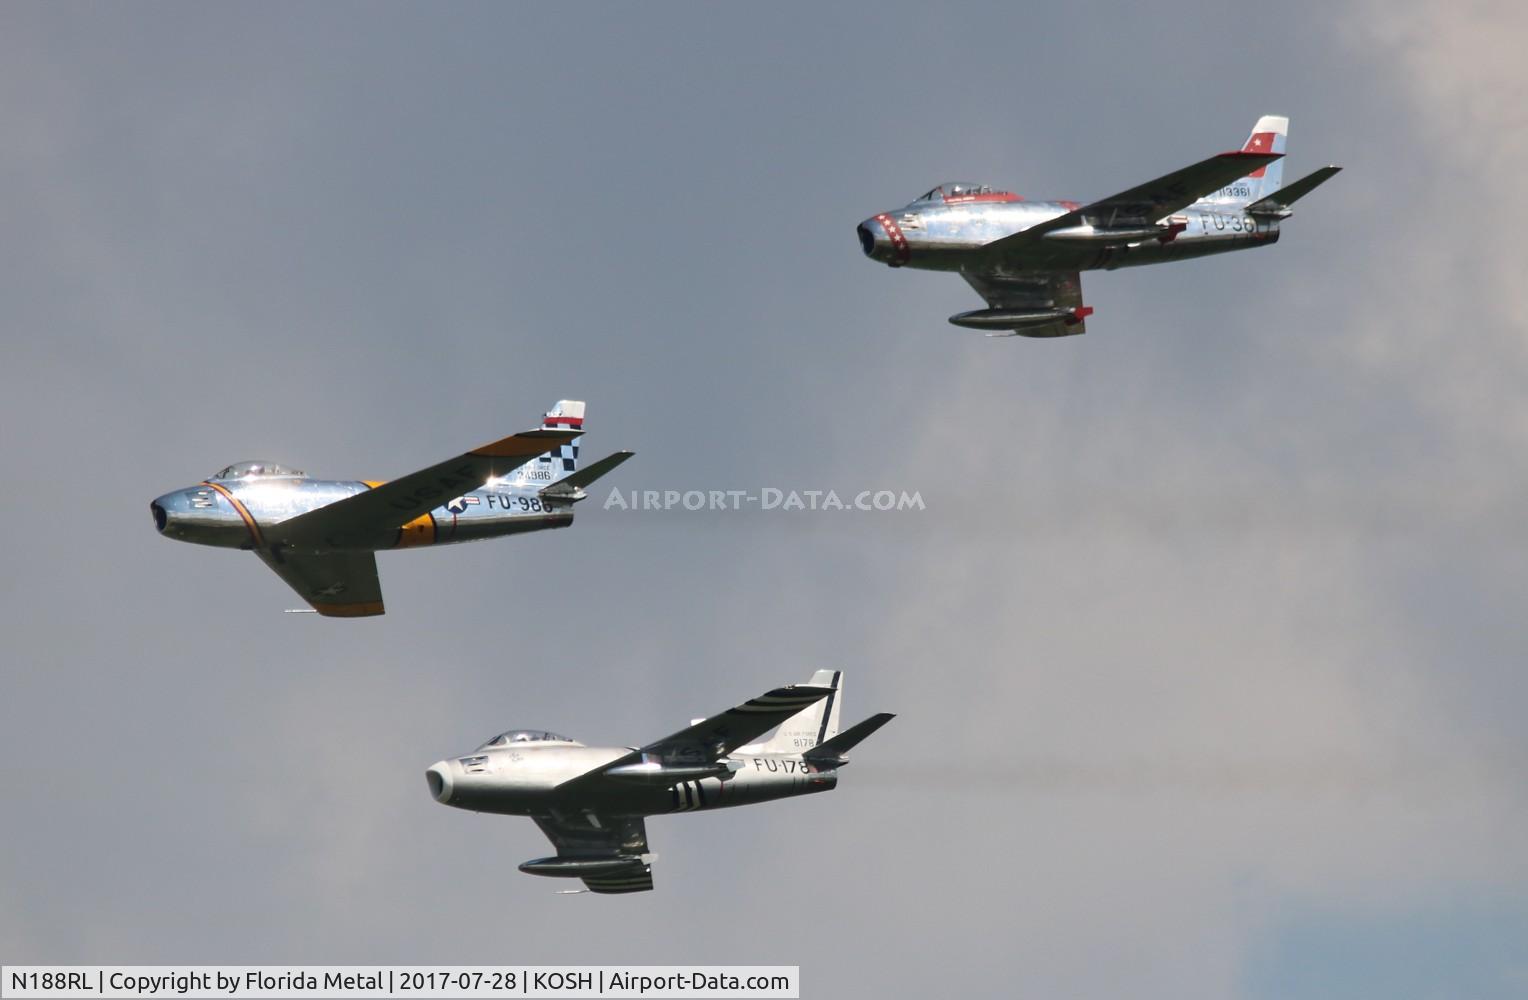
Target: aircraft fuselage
[
  {"x": 524, "y": 780},
  {"x": 938, "y": 236},
  {"x": 248, "y": 513}
]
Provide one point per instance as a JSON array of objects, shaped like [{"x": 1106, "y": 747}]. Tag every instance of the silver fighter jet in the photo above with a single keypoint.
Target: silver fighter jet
[
  {"x": 321, "y": 536},
  {"x": 1024, "y": 257},
  {"x": 591, "y": 801}
]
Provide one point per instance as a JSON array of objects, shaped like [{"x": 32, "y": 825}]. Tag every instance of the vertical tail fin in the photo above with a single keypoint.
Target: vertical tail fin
[
  {"x": 567, "y": 414},
  {"x": 814, "y": 724},
  {"x": 1269, "y": 135}
]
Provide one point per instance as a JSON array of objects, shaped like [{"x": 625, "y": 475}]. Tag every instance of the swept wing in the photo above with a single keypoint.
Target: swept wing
[
  {"x": 1137, "y": 207},
  {"x": 336, "y": 584},
  {"x": 356, "y": 520},
  {"x": 317, "y": 553},
  {"x": 707, "y": 741}
]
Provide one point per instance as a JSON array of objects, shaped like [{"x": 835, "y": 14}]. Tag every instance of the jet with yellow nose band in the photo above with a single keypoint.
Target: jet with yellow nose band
[{"x": 322, "y": 536}]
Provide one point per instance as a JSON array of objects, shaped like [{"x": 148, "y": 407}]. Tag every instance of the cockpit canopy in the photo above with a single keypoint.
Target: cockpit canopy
[
  {"x": 963, "y": 192},
  {"x": 514, "y": 736},
  {"x": 259, "y": 470}
]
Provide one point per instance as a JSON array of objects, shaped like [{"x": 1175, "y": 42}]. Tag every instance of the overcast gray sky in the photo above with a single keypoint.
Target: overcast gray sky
[{"x": 1207, "y": 652}]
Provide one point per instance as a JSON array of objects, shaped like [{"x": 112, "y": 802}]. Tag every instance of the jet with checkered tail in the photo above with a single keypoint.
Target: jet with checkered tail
[
  {"x": 593, "y": 802},
  {"x": 1025, "y": 258},
  {"x": 321, "y": 536}
]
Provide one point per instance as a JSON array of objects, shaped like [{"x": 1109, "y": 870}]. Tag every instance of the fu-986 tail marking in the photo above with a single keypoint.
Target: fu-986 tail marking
[{"x": 322, "y": 536}]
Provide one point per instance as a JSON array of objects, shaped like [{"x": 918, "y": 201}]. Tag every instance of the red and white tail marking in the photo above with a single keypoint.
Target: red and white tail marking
[{"x": 1267, "y": 137}]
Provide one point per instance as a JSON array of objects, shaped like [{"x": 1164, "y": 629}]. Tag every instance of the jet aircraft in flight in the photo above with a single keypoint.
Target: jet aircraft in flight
[
  {"x": 321, "y": 536},
  {"x": 592, "y": 801},
  {"x": 1024, "y": 257}
]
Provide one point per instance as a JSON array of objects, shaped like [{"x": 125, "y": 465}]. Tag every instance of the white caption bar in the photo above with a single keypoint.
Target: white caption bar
[{"x": 422, "y": 981}]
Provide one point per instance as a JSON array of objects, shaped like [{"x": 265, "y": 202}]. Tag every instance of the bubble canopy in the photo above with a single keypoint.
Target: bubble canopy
[
  {"x": 956, "y": 191},
  {"x": 524, "y": 736},
  {"x": 258, "y": 470}
]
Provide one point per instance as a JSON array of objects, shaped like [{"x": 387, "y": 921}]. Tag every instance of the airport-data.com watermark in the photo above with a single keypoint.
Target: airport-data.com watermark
[{"x": 768, "y": 498}]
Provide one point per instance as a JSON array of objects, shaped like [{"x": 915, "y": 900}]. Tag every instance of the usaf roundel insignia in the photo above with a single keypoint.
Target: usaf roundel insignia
[{"x": 457, "y": 506}]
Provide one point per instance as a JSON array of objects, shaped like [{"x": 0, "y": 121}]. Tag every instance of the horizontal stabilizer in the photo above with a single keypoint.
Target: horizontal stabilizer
[
  {"x": 1278, "y": 203},
  {"x": 833, "y": 750},
  {"x": 571, "y": 487}
]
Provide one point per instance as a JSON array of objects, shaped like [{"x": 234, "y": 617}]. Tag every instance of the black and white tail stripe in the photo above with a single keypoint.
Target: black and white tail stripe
[{"x": 827, "y": 707}]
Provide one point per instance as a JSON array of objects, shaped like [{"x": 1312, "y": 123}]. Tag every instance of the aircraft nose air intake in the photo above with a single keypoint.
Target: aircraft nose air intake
[
  {"x": 439, "y": 777},
  {"x": 882, "y": 239},
  {"x": 867, "y": 239},
  {"x": 160, "y": 517}
]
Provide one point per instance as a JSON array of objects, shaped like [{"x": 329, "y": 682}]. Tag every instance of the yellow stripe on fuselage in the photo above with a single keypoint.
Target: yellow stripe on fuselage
[{"x": 419, "y": 531}]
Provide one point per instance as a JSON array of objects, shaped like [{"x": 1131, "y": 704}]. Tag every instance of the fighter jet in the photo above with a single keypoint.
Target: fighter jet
[
  {"x": 592, "y": 801},
  {"x": 1023, "y": 257},
  {"x": 321, "y": 536}
]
